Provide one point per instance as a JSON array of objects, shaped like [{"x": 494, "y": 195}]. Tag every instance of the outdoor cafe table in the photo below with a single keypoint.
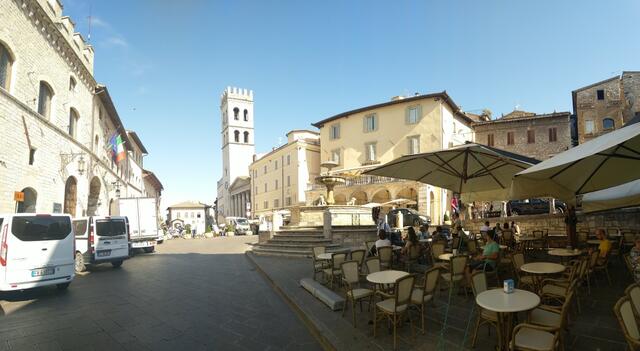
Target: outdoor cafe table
[
  {"x": 505, "y": 305},
  {"x": 445, "y": 256},
  {"x": 527, "y": 241},
  {"x": 540, "y": 268},
  {"x": 564, "y": 253}
]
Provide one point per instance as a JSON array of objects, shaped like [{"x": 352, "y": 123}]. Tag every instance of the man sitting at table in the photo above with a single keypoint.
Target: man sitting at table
[
  {"x": 424, "y": 233},
  {"x": 487, "y": 261},
  {"x": 604, "y": 246},
  {"x": 382, "y": 239},
  {"x": 485, "y": 228}
]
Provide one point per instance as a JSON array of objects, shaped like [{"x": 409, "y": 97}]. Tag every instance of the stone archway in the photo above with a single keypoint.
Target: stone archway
[
  {"x": 70, "y": 196},
  {"x": 29, "y": 203},
  {"x": 409, "y": 194},
  {"x": 340, "y": 199},
  {"x": 94, "y": 196},
  {"x": 381, "y": 196},
  {"x": 361, "y": 197}
]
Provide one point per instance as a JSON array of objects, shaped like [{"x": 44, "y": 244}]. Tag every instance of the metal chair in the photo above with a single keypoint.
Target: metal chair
[
  {"x": 455, "y": 276},
  {"x": 334, "y": 271},
  {"x": 385, "y": 253},
  {"x": 524, "y": 280},
  {"x": 437, "y": 249},
  {"x": 318, "y": 265},
  {"x": 358, "y": 256},
  {"x": 479, "y": 285},
  {"x": 422, "y": 294},
  {"x": 353, "y": 292},
  {"x": 628, "y": 323},
  {"x": 412, "y": 257}
]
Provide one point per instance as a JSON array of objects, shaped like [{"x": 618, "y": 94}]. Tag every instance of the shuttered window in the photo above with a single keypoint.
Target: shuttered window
[
  {"x": 531, "y": 136},
  {"x": 334, "y": 131},
  {"x": 370, "y": 123},
  {"x": 553, "y": 135},
  {"x": 413, "y": 114},
  {"x": 510, "y": 138},
  {"x": 490, "y": 139}
]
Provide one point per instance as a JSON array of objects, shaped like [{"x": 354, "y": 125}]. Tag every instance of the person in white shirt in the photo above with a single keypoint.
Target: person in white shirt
[{"x": 485, "y": 228}]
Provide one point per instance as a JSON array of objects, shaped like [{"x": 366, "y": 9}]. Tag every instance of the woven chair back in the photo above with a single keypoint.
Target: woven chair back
[
  {"x": 350, "y": 272},
  {"x": 372, "y": 264},
  {"x": 479, "y": 283},
  {"x": 403, "y": 290}
]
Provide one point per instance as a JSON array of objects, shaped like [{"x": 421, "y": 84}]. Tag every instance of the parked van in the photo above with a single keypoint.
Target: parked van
[
  {"x": 101, "y": 240},
  {"x": 241, "y": 225},
  {"x": 36, "y": 250}
]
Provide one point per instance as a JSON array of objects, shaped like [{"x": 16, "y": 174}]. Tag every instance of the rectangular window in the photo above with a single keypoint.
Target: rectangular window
[
  {"x": 370, "y": 150},
  {"x": 510, "y": 138},
  {"x": 288, "y": 160},
  {"x": 370, "y": 123},
  {"x": 600, "y": 94},
  {"x": 177, "y": 214},
  {"x": 413, "y": 115},
  {"x": 276, "y": 165},
  {"x": 265, "y": 169},
  {"x": 553, "y": 135},
  {"x": 265, "y": 187},
  {"x": 288, "y": 180},
  {"x": 288, "y": 201},
  {"x": 589, "y": 127},
  {"x": 266, "y": 204},
  {"x": 531, "y": 136},
  {"x": 41, "y": 228},
  {"x": 276, "y": 184},
  {"x": 32, "y": 155},
  {"x": 334, "y": 132},
  {"x": 276, "y": 203},
  {"x": 414, "y": 144},
  {"x": 256, "y": 191},
  {"x": 335, "y": 156},
  {"x": 490, "y": 139}
]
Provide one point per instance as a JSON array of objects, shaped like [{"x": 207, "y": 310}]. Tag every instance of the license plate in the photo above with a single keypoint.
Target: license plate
[
  {"x": 42, "y": 271},
  {"x": 141, "y": 244},
  {"x": 104, "y": 253}
]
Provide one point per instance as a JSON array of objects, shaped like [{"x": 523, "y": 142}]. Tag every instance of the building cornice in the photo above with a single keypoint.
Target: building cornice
[
  {"x": 50, "y": 31},
  {"x": 523, "y": 119}
]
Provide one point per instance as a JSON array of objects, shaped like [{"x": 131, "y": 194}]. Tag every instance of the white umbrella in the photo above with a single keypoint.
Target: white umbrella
[
  {"x": 399, "y": 202},
  {"x": 625, "y": 195},
  {"x": 372, "y": 205},
  {"x": 606, "y": 161},
  {"x": 479, "y": 172}
]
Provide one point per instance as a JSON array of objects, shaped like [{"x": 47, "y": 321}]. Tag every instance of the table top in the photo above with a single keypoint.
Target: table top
[
  {"x": 385, "y": 277},
  {"x": 324, "y": 256},
  {"x": 593, "y": 242},
  {"x": 445, "y": 256},
  {"x": 542, "y": 268},
  {"x": 498, "y": 301},
  {"x": 565, "y": 252}
]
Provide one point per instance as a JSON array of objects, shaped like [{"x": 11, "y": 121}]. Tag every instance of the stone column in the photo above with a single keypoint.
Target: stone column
[
  {"x": 552, "y": 206},
  {"x": 326, "y": 224}
]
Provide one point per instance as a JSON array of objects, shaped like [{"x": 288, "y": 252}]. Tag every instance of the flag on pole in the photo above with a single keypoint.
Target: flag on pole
[{"x": 117, "y": 148}]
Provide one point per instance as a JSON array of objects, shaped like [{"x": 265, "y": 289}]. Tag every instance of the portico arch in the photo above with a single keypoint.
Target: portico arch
[
  {"x": 94, "y": 195},
  {"x": 360, "y": 196},
  {"x": 381, "y": 196},
  {"x": 29, "y": 203},
  {"x": 70, "y": 196}
]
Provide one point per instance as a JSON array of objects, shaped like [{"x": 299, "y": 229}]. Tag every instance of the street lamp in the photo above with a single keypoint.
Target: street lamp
[
  {"x": 81, "y": 165},
  {"x": 68, "y": 158}
]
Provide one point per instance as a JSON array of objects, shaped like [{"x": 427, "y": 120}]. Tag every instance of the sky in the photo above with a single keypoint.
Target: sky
[{"x": 166, "y": 63}]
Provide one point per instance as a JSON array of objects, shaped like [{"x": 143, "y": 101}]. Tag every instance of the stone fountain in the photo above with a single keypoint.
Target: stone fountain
[{"x": 329, "y": 181}]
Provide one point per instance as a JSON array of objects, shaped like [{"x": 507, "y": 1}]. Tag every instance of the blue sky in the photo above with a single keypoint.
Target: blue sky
[{"x": 166, "y": 63}]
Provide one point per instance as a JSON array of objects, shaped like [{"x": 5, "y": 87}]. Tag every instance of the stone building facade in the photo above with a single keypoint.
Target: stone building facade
[
  {"x": 238, "y": 148},
  {"x": 281, "y": 177},
  {"x": 240, "y": 195},
  {"x": 369, "y": 136},
  {"x": 607, "y": 105},
  {"x": 194, "y": 214},
  {"x": 57, "y": 121},
  {"x": 539, "y": 136}
]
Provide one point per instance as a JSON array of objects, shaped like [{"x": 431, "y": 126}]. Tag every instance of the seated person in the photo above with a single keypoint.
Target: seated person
[
  {"x": 395, "y": 238},
  {"x": 412, "y": 240},
  {"x": 515, "y": 228},
  {"x": 485, "y": 228},
  {"x": 487, "y": 261},
  {"x": 497, "y": 230},
  {"x": 604, "y": 246},
  {"x": 438, "y": 234},
  {"x": 424, "y": 233},
  {"x": 382, "y": 241}
]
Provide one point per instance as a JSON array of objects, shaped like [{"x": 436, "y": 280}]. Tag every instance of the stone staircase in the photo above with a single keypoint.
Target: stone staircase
[{"x": 295, "y": 241}]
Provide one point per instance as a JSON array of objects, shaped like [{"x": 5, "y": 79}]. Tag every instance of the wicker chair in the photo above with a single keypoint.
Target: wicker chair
[
  {"x": 369, "y": 245},
  {"x": 353, "y": 292},
  {"x": 602, "y": 265},
  {"x": 412, "y": 257},
  {"x": 318, "y": 265},
  {"x": 556, "y": 317},
  {"x": 528, "y": 337},
  {"x": 334, "y": 271},
  {"x": 422, "y": 294},
  {"x": 628, "y": 323},
  {"x": 523, "y": 279},
  {"x": 385, "y": 253},
  {"x": 557, "y": 290},
  {"x": 396, "y": 307},
  {"x": 593, "y": 260},
  {"x": 358, "y": 256},
  {"x": 455, "y": 276},
  {"x": 479, "y": 285},
  {"x": 633, "y": 292},
  {"x": 437, "y": 249},
  {"x": 472, "y": 245}
]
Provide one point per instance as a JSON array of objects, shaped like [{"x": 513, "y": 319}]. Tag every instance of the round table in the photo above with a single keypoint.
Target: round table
[
  {"x": 385, "y": 277},
  {"x": 542, "y": 268},
  {"x": 565, "y": 252},
  {"x": 324, "y": 256},
  {"x": 445, "y": 256},
  {"x": 505, "y": 305}
]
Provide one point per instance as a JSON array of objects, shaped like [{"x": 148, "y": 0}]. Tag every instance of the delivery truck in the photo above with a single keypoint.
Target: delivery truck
[{"x": 143, "y": 221}]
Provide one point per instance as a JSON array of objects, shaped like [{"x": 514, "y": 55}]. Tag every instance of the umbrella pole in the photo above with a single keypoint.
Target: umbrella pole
[{"x": 571, "y": 222}]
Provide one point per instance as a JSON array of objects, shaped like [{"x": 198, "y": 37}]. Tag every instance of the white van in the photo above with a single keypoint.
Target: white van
[
  {"x": 101, "y": 240},
  {"x": 241, "y": 225},
  {"x": 36, "y": 250}
]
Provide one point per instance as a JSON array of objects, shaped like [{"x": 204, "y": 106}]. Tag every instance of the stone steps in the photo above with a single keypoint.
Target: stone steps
[
  {"x": 295, "y": 241},
  {"x": 298, "y": 245}
]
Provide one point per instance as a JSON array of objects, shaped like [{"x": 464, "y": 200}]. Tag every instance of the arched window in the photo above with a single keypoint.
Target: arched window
[
  {"x": 6, "y": 61},
  {"x": 246, "y": 115},
  {"x": 72, "y": 84},
  {"x": 44, "y": 99},
  {"x": 608, "y": 123},
  {"x": 236, "y": 111},
  {"x": 246, "y": 137},
  {"x": 236, "y": 136},
  {"x": 73, "y": 122},
  {"x": 29, "y": 203}
]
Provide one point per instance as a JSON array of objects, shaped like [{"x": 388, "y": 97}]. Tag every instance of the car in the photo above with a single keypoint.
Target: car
[
  {"x": 409, "y": 217},
  {"x": 241, "y": 225},
  {"x": 533, "y": 206},
  {"x": 36, "y": 250},
  {"x": 101, "y": 239}
]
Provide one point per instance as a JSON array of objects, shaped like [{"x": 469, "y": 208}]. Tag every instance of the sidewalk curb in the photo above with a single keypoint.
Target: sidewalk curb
[{"x": 314, "y": 329}]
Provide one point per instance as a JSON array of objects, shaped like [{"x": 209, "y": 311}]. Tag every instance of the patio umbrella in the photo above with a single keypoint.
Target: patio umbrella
[
  {"x": 479, "y": 172},
  {"x": 372, "y": 205},
  {"x": 625, "y": 195},
  {"x": 604, "y": 162},
  {"x": 399, "y": 202}
]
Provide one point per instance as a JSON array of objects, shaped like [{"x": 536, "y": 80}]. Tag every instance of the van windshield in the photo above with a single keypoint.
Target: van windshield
[
  {"x": 80, "y": 227},
  {"x": 38, "y": 228},
  {"x": 111, "y": 228},
  {"x": 242, "y": 221}
]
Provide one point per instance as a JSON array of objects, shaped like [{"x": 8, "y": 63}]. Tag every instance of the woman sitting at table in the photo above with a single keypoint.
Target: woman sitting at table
[
  {"x": 487, "y": 261},
  {"x": 412, "y": 240}
]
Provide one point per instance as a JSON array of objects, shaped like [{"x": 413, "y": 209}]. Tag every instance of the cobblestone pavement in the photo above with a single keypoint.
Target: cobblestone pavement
[{"x": 198, "y": 294}]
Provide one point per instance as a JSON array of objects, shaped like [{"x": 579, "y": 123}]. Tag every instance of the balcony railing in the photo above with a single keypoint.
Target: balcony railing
[{"x": 358, "y": 180}]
